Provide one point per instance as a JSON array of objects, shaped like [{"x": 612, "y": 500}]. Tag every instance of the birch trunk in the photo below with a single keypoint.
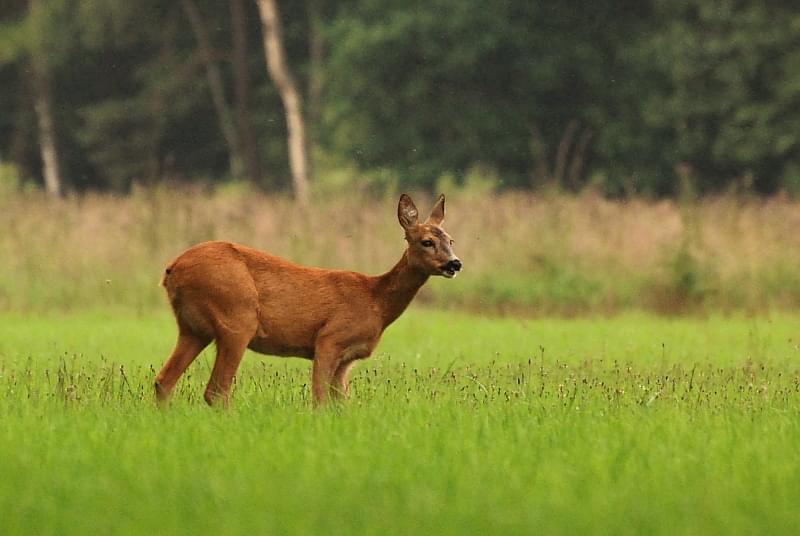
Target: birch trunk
[
  {"x": 292, "y": 101},
  {"x": 316, "y": 54},
  {"x": 45, "y": 118}
]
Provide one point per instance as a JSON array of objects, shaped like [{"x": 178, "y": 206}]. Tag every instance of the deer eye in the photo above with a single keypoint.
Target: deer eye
[{"x": 427, "y": 243}]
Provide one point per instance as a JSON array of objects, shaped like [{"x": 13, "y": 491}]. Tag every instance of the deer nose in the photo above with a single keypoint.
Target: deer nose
[{"x": 454, "y": 265}]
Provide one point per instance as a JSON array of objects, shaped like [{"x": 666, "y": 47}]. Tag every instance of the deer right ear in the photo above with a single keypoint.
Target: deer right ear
[{"x": 407, "y": 212}]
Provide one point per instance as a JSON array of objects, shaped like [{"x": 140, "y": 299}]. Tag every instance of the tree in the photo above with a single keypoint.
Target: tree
[
  {"x": 450, "y": 84},
  {"x": 242, "y": 85},
  {"x": 731, "y": 73},
  {"x": 48, "y": 134},
  {"x": 626, "y": 96},
  {"x": 30, "y": 40},
  {"x": 147, "y": 115},
  {"x": 216, "y": 85},
  {"x": 282, "y": 77},
  {"x": 316, "y": 56}
]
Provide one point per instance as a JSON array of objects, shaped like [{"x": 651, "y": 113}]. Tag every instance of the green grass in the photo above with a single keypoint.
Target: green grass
[{"x": 624, "y": 425}]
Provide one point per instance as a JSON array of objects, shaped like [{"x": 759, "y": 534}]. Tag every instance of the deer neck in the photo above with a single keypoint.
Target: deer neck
[{"x": 396, "y": 288}]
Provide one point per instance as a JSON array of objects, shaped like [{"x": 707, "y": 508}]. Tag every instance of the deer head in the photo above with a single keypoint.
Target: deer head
[{"x": 429, "y": 246}]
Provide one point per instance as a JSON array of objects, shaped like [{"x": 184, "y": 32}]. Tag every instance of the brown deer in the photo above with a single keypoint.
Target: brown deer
[{"x": 244, "y": 298}]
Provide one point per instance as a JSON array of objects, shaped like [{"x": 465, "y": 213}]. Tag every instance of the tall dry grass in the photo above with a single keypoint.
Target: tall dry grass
[{"x": 538, "y": 253}]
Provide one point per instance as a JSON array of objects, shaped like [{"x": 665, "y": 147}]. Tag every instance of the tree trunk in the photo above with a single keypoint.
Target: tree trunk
[
  {"x": 216, "y": 86},
  {"x": 241, "y": 76},
  {"x": 560, "y": 164},
  {"x": 45, "y": 117},
  {"x": 292, "y": 101},
  {"x": 316, "y": 54},
  {"x": 541, "y": 172},
  {"x": 579, "y": 159}
]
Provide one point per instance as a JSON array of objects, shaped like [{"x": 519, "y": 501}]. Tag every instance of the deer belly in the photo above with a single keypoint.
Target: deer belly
[{"x": 273, "y": 346}]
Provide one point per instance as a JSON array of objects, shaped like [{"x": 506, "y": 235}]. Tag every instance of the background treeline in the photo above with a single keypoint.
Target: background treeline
[{"x": 626, "y": 96}]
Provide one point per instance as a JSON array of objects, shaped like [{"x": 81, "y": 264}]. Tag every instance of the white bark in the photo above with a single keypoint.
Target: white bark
[
  {"x": 45, "y": 118},
  {"x": 292, "y": 101}
]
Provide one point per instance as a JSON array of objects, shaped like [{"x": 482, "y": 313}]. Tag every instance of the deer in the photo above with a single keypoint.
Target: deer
[{"x": 241, "y": 298}]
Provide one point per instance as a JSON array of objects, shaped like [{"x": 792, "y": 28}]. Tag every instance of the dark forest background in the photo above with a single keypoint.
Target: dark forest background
[{"x": 626, "y": 97}]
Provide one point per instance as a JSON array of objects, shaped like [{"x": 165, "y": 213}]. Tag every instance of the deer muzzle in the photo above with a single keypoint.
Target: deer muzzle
[{"x": 450, "y": 269}]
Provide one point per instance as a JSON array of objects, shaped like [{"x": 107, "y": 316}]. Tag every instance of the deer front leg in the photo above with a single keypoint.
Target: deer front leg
[
  {"x": 322, "y": 373},
  {"x": 327, "y": 355}
]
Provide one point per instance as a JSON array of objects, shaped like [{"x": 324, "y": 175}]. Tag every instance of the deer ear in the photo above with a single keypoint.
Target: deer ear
[
  {"x": 437, "y": 214},
  {"x": 407, "y": 212}
]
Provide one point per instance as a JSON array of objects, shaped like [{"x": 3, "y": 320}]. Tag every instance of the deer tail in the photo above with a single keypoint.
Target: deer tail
[{"x": 163, "y": 282}]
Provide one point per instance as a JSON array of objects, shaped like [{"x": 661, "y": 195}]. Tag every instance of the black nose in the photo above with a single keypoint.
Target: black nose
[{"x": 454, "y": 265}]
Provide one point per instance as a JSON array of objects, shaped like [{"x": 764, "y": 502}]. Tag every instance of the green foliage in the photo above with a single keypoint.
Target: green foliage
[
  {"x": 613, "y": 95},
  {"x": 732, "y": 78},
  {"x": 9, "y": 180},
  {"x": 446, "y": 86},
  {"x": 686, "y": 284},
  {"x": 41, "y": 32},
  {"x": 12, "y": 38}
]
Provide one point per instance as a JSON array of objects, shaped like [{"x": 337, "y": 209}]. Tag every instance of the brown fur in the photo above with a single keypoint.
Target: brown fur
[{"x": 244, "y": 298}]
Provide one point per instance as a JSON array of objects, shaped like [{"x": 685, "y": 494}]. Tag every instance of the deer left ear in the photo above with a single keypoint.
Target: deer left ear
[
  {"x": 437, "y": 214},
  {"x": 406, "y": 212}
]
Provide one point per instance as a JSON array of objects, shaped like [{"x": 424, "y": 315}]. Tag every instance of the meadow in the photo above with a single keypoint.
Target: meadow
[
  {"x": 631, "y": 424},
  {"x": 514, "y": 399}
]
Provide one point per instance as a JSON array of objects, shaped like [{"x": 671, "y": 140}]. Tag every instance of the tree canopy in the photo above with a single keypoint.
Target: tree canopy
[{"x": 625, "y": 96}]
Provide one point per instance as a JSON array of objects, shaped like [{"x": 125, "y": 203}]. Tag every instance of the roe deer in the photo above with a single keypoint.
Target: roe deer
[{"x": 244, "y": 298}]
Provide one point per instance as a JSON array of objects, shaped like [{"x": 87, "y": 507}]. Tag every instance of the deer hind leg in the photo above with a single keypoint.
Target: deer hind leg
[
  {"x": 332, "y": 362},
  {"x": 339, "y": 387},
  {"x": 230, "y": 349},
  {"x": 186, "y": 350}
]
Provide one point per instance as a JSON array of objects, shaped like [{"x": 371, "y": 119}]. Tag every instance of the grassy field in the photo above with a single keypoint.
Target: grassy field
[
  {"x": 632, "y": 424},
  {"x": 606, "y": 419}
]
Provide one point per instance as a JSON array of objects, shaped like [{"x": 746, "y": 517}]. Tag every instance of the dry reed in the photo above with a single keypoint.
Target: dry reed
[{"x": 547, "y": 253}]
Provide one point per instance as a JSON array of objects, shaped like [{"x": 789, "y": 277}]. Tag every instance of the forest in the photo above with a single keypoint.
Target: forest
[{"x": 645, "y": 97}]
